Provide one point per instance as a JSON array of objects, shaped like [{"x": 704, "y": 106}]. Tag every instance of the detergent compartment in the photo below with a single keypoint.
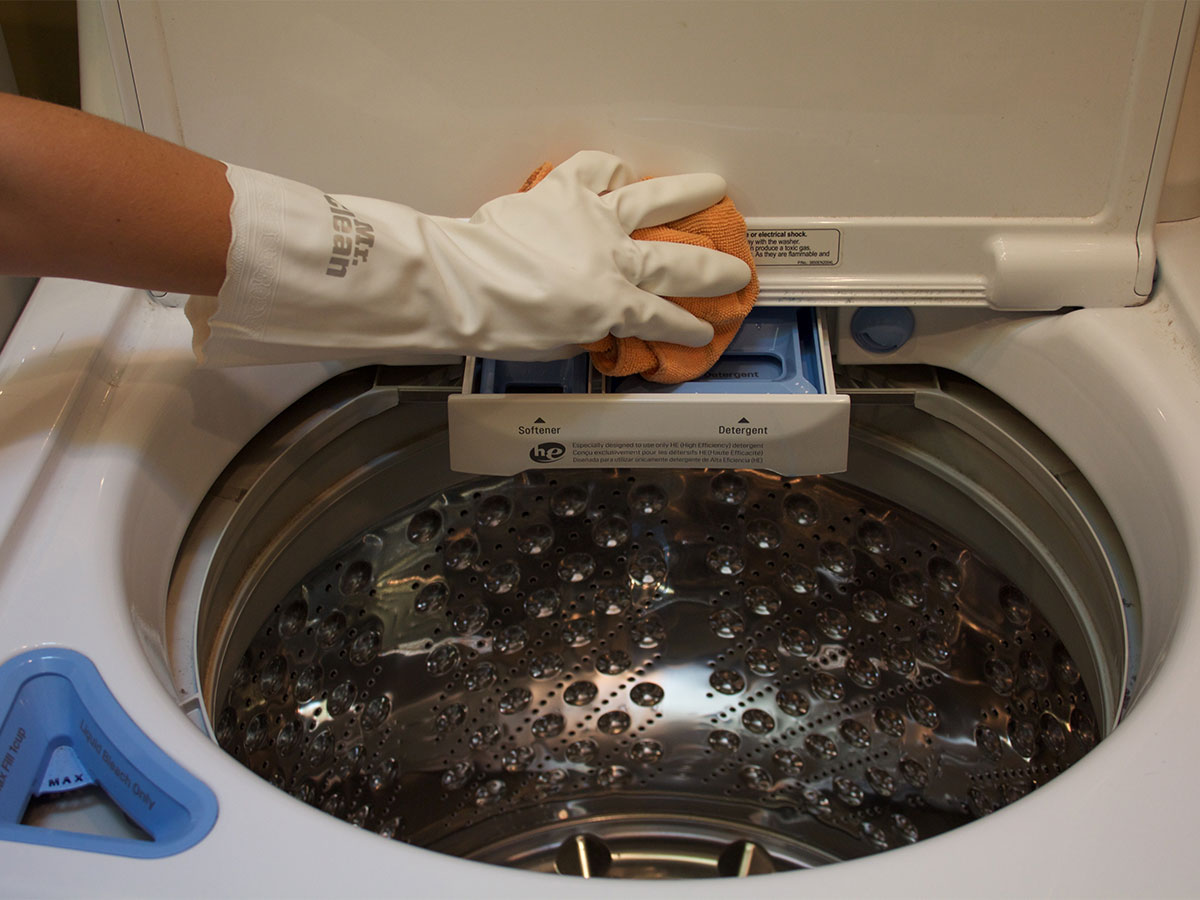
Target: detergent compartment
[
  {"x": 769, "y": 402},
  {"x": 778, "y": 350}
]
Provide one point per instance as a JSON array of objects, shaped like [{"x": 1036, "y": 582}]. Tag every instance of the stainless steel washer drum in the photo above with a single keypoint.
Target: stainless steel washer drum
[{"x": 654, "y": 673}]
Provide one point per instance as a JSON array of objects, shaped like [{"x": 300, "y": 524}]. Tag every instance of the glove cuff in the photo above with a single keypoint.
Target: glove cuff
[
  {"x": 237, "y": 327},
  {"x": 225, "y": 327},
  {"x": 253, "y": 262}
]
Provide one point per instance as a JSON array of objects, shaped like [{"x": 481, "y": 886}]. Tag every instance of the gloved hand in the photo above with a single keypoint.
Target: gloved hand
[{"x": 530, "y": 276}]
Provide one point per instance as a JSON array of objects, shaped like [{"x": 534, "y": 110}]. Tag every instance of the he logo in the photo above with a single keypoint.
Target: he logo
[{"x": 547, "y": 452}]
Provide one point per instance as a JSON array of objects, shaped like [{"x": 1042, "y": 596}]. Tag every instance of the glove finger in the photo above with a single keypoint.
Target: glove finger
[
  {"x": 652, "y": 318},
  {"x": 593, "y": 169},
  {"x": 682, "y": 270},
  {"x": 659, "y": 200}
]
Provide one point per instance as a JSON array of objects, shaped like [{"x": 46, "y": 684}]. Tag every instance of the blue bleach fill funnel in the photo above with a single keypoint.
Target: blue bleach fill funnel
[{"x": 62, "y": 731}]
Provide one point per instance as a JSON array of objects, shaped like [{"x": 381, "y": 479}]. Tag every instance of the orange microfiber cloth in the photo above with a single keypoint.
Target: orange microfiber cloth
[{"x": 720, "y": 227}]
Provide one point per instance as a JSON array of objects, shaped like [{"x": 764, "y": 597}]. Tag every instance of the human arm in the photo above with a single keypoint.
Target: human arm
[
  {"x": 83, "y": 197},
  {"x": 281, "y": 271}
]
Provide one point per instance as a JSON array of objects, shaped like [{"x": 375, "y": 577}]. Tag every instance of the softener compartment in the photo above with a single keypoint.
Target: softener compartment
[{"x": 768, "y": 403}]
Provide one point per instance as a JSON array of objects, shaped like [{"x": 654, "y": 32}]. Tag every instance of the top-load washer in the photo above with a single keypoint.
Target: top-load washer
[{"x": 917, "y": 555}]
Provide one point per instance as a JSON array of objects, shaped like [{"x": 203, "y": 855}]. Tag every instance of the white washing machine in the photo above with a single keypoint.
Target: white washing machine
[{"x": 953, "y": 208}]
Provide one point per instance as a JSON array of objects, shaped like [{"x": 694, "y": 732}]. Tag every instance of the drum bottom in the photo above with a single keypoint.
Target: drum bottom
[{"x": 656, "y": 674}]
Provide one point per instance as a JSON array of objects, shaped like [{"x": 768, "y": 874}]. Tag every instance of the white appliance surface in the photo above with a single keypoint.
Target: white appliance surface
[
  {"x": 112, "y": 436},
  {"x": 985, "y": 152}
]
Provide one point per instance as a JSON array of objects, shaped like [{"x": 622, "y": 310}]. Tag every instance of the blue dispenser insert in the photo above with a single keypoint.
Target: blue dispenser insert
[
  {"x": 774, "y": 352},
  {"x": 60, "y": 730}
]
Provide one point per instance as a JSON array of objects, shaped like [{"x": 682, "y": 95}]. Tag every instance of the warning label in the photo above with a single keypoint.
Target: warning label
[
  {"x": 667, "y": 453},
  {"x": 796, "y": 246}
]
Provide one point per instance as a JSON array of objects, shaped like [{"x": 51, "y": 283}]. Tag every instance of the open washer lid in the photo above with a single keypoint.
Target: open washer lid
[{"x": 1008, "y": 154}]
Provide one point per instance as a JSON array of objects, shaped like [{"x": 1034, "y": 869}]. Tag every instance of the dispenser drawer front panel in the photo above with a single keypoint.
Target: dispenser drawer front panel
[
  {"x": 768, "y": 403},
  {"x": 790, "y": 435}
]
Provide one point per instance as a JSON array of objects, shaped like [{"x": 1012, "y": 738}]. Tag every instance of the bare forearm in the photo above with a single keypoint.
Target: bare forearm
[{"x": 83, "y": 197}]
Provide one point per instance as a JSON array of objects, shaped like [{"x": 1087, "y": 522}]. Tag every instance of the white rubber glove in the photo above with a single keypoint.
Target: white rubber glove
[{"x": 530, "y": 276}]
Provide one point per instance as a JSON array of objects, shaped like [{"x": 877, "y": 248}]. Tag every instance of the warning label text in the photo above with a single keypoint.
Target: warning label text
[{"x": 796, "y": 246}]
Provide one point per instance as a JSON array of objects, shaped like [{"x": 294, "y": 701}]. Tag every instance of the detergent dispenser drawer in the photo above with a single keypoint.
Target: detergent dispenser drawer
[{"x": 768, "y": 403}]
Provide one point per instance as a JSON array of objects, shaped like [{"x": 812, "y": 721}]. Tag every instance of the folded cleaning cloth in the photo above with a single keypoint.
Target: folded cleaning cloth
[{"x": 720, "y": 227}]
